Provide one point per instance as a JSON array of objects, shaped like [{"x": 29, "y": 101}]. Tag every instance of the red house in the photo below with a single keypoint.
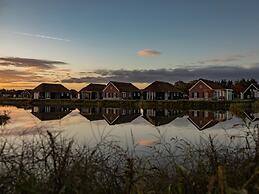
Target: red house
[
  {"x": 209, "y": 90},
  {"x": 120, "y": 91}
]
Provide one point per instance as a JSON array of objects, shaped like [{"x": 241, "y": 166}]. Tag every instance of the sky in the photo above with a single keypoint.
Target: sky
[{"x": 78, "y": 42}]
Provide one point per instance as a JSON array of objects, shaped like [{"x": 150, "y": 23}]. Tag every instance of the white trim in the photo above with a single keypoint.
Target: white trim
[
  {"x": 111, "y": 123},
  {"x": 113, "y": 85},
  {"x": 198, "y": 127},
  {"x": 249, "y": 87},
  {"x": 202, "y": 82}
]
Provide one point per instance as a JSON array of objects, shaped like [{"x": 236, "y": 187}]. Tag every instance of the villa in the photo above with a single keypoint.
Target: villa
[
  {"x": 208, "y": 90},
  {"x": 51, "y": 91},
  {"x": 161, "y": 91},
  {"x": 121, "y": 91},
  {"x": 92, "y": 92},
  {"x": 251, "y": 92}
]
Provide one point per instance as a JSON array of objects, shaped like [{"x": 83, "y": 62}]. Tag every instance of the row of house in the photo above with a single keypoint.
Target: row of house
[
  {"x": 15, "y": 93},
  {"x": 201, "y": 119},
  {"x": 201, "y": 90},
  {"x": 112, "y": 91}
]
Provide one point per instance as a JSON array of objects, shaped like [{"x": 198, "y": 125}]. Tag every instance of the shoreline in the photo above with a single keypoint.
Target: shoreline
[{"x": 174, "y": 104}]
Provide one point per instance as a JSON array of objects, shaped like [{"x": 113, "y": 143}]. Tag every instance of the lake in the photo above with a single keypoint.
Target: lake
[{"x": 146, "y": 126}]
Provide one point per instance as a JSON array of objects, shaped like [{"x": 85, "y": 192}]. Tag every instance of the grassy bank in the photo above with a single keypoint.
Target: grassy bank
[
  {"x": 52, "y": 164},
  {"x": 175, "y": 104}
]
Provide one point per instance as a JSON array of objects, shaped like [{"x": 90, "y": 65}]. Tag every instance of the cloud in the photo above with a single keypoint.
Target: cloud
[
  {"x": 41, "y": 36},
  {"x": 170, "y": 75},
  {"x": 148, "y": 53},
  {"x": 10, "y": 76},
  {"x": 222, "y": 60},
  {"x": 29, "y": 63}
]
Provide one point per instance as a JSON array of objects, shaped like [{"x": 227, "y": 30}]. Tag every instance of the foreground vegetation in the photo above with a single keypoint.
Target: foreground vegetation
[
  {"x": 50, "y": 163},
  {"x": 4, "y": 117}
]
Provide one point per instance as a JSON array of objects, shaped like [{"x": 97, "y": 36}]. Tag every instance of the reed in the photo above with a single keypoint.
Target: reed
[{"x": 50, "y": 163}]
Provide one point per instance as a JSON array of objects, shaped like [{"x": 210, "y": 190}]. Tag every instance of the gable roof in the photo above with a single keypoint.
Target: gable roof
[
  {"x": 201, "y": 126},
  {"x": 123, "y": 86},
  {"x": 159, "y": 86},
  {"x": 93, "y": 87},
  {"x": 73, "y": 91},
  {"x": 255, "y": 85},
  {"x": 252, "y": 116},
  {"x": 120, "y": 119},
  {"x": 45, "y": 87},
  {"x": 210, "y": 84}
]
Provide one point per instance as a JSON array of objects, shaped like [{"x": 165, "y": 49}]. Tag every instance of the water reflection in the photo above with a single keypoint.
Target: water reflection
[
  {"x": 251, "y": 115},
  {"x": 47, "y": 113},
  {"x": 91, "y": 113},
  {"x": 158, "y": 117},
  {"x": 141, "y": 119},
  {"x": 113, "y": 116},
  {"x": 204, "y": 119}
]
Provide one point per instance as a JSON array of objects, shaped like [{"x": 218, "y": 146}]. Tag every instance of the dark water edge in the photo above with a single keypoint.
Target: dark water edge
[{"x": 174, "y": 104}]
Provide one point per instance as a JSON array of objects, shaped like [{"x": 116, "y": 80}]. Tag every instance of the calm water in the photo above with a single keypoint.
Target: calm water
[{"x": 90, "y": 124}]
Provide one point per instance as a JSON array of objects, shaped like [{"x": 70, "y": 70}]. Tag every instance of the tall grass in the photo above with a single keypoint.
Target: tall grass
[
  {"x": 53, "y": 164},
  {"x": 4, "y": 117}
]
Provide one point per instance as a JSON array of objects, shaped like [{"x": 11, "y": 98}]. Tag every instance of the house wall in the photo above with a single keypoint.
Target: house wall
[
  {"x": 51, "y": 95},
  {"x": 36, "y": 95},
  {"x": 91, "y": 95},
  {"x": 201, "y": 118},
  {"x": 151, "y": 95},
  {"x": 111, "y": 93},
  {"x": 200, "y": 92},
  {"x": 251, "y": 93}
]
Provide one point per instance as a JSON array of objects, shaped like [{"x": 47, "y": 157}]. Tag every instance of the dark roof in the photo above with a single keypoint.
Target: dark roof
[
  {"x": 73, "y": 91},
  {"x": 211, "y": 84},
  {"x": 93, "y": 87},
  {"x": 248, "y": 86},
  {"x": 159, "y": 120},
  {"x": 252, "y": 116},
  {"x": 159, "y": 86},
  {"x": 47, "y": 116},
  {"x": 92, "y": 117},
  {"x": 201, "y": 126},
  {"x": 44, "y": 87},
  {"x": 124, "y": 87},
  {"x": 120, "y": 119}
]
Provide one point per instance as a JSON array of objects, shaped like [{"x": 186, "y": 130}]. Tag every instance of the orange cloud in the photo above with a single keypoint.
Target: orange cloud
[{"x": 148, "y": 53}]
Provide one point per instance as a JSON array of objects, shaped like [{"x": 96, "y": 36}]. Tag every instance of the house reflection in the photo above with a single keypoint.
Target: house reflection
[
  {"x": 204, "y": 119},
  {"x": 49, "y": 112},
  {"x": 114, "y": 116},
  {"x": 251, "y": 115},
  {"x": 159, "y": 117},
  {"x": 91, "y": 113}
]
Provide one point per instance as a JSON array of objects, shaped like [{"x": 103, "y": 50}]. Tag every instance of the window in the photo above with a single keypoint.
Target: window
[{"x": 124, "y": 94}]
